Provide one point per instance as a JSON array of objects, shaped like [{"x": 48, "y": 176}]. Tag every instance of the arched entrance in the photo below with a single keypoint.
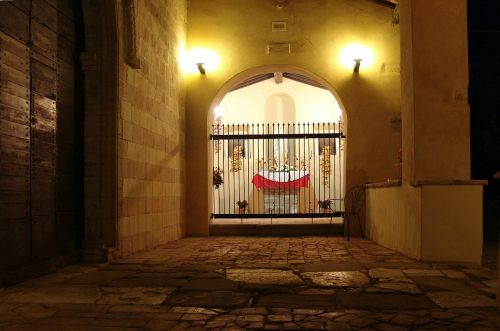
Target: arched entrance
[{"x": 277, "y": 147}]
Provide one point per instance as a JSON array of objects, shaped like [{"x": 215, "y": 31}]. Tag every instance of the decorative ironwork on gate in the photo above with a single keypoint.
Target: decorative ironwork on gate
[{"x": 277, "y": 170}]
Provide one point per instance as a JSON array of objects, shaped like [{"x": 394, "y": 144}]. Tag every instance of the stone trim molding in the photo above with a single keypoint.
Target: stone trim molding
[
  {"x": 131, "y": 53},
  {"x": 449, "y": 182},
  {"x": 388, "y": 183},
  {"x": 397, "y": 182}
]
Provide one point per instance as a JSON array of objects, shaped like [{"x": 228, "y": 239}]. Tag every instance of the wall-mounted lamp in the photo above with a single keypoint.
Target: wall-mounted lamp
[
  {"x": 201, "y": 67},
  {"x": 357, "y": 64},
  {"x": 201, "y": 60},
  {"x": 357, "y": 53}
]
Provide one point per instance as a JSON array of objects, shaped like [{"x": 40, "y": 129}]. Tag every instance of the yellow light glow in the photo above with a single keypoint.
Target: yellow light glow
[
  {"x": 181, "y": 53},
  {"x": 209, "y": 58},
  {"x": 357, "y": 51},
  {"x": 218, "y": 111}
]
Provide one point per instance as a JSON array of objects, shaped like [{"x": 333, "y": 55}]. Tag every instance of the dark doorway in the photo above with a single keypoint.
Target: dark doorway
[{"x": 484, "y": 100}]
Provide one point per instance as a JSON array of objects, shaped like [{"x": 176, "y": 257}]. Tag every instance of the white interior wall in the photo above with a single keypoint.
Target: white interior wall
[{"x": 247, "y": 105}]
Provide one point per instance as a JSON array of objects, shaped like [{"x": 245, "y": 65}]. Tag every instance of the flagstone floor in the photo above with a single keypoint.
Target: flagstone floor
[{"x": 233, "y": 283}]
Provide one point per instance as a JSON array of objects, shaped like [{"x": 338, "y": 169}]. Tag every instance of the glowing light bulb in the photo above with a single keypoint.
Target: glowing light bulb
[
  {"x": 205, "y": 57},
  {"x": 354, "y": 53}
]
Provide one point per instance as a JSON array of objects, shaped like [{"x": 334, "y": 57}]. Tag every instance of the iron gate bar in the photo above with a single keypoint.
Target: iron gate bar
[
  {"x": 275, "y": 136},
  {"x": 288, "y": 141},
  {"x": 304, "y": 215}
]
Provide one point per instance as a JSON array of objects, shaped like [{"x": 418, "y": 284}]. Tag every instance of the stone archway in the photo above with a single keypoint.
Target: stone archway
[{"x": 247, "y": 74}]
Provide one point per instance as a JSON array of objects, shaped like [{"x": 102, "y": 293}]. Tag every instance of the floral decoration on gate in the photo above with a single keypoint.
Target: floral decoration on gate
[{"x": 217, "y": 178}]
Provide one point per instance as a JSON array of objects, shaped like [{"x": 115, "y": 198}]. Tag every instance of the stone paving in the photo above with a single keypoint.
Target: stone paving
[{"x": 237, "y": 283}]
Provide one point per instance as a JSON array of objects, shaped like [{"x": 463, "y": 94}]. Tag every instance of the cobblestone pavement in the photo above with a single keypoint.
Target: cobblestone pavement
[{"x": 235, "y": 283}]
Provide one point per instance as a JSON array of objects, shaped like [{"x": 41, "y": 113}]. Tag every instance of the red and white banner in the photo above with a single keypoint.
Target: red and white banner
[{"x": 281, "y": 179}]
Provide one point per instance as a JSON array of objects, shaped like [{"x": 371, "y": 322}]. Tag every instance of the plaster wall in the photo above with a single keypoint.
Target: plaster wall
[
  {"x": 239, "y": 32},
  {"x": 393, "y": 218},
  {"x": 452, "y": 223},
  {"x": 435, "y": 109},
  {"x": 151, "y": 129},
  {"x": 428, "y": 222},
  {"x": 311, "y": 104}
]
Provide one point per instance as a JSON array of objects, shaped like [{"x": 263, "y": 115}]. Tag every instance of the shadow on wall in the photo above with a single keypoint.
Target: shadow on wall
[
  {"x": 157, "y": 172},
  {"x": 363, "y": 138}
]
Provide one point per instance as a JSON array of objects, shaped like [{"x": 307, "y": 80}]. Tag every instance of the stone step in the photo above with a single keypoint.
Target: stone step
[{"x": 276, "y": 230}]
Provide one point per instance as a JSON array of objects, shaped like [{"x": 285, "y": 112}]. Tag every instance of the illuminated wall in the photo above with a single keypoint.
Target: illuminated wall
[
  {"x": 239, "y": 32},
  {"x": 151, "y": 129},
  {"x": 248, "y": 105}
]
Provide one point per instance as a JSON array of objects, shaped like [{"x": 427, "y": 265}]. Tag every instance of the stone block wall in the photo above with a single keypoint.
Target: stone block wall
[{"x": 151, "y": 126}]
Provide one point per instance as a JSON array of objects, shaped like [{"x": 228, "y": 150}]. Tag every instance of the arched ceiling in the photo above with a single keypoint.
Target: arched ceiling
[
  {"x": 296, "y": 77},
  {"x": 391, "y": 3}
]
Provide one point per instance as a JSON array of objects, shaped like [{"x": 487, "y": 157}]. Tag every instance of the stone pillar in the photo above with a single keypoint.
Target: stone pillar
[
  {"x": 436, "y": 138},
  {"x": 437, "y": 213},
  {"x": 435, "y": 111},
  {"x": 99, "y": 64}
]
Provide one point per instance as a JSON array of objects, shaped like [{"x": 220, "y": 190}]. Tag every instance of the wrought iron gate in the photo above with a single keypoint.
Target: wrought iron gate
[{"x": 277, "y": 170}]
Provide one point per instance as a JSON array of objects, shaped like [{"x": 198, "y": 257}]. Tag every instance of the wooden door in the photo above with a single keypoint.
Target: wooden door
[{"x": 37, "y": 163}]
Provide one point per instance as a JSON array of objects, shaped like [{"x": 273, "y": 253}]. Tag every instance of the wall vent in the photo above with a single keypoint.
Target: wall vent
[
  {"x": 279, "y": 47},
  {"x": 391, "y": 69},
  {"x": 279, "y": 26}
]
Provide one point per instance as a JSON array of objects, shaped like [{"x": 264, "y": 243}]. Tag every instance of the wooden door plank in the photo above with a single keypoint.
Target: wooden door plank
[
  {"x": 66, "y": 27},
  {"x": 13, "y": 101},
  {"x": 43, "y": 79},
  {"x": 45, "y": 14},
  {"x": 23, "y": 5},
  {"x": 14, "y": 153},
  {"x": 43, "y": 196},
  {"x": 43, "y": 157},
  {"x": 65, "y": 50},
  {"x": 14, "y": 197},
  {"x": 14, "y": 61},
  {"x": 15, "y": 170},
  {"x": 66, "y": 157},
  {"x": 14, "y": 89},
  {"x": 65, "y": 71},
  {"x": 18, "y": 116},
  {"x": 43, "y": 130},
  {"x": 14, "y": 22},
  {"x": 14, "y": 233},
  {"x": 18, "y": 144},
  {"x": 43, "y": 40},
  {"x": 42, "y": 59},
  {"x": 12, "y": 210},
  {"x": 14, "y": 129},
  {"x": 42, "y": 112},
  {"x": 15, "y": 76},
  {"x": 14, "y": 46},
  {"x": 14, "y": 183},
  {"x": 64, "y": 7},
  {"x": 16, "y": 157},
  {"x": 65, "y": 95},
  {"x": 40, "y": 100},
  {"x": 44, "y": 237}
]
